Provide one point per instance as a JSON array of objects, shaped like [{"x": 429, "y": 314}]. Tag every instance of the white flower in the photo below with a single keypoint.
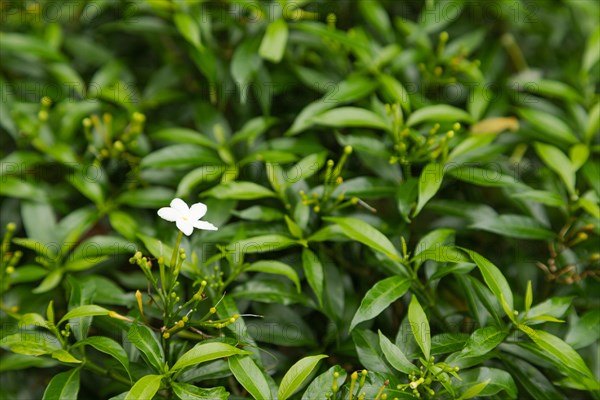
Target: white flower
[{"x": 186, "y": 218}]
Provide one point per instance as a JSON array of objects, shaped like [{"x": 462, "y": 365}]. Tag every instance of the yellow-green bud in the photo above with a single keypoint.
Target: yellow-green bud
[
  {"x": 348, "y": 149},
  {"x": 166, "y": 335},
  {"x": 87, "y": 122},
  {"x": 118, "y": 145},
  {"x": 444, "y": 36},
  {"x": 43, "y": 115},
  {"x": 138, "y": 117},
  {"x": 213, "y": 310},
  {"x": 11, "y": 227},
  {"x": 10, "y": 269},
  {"x": 46, "y": 101}
]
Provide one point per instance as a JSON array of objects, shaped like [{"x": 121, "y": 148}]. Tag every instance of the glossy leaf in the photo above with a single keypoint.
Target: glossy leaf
[
  {"x": 144, "y": 339},
  {"x": 295, "y": 377},
  {"x": 145, "y": 388},
  {"x": 420, "y": 326},
  {"x": 379, "y": 297},
  {"x": 363, "y": 232},
  {"x": 250, "y": 376},
  {"x": 63, "y": 386},
  {"x": 204, "y": 352}
]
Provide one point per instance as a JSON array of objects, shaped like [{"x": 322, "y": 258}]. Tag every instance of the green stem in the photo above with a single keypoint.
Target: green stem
[
  {"x": 105, "y": 372},
  {"x": 176, "y": 250}
]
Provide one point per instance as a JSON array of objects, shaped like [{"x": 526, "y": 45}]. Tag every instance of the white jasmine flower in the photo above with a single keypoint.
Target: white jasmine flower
[{"x": 186, "y": 218}]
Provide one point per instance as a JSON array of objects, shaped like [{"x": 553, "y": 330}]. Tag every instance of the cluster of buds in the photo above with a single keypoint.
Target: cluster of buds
[
  {"x": 44, "y": 112},
  {"x": 357, "y": 383},
  {"x": 413, "y": 147},
  {"x": 333, "y": 178},
  {"x": 442, "y": 70},
  {"x": 570, "y": 273},
  {"x": 9, "y": 260},
  {"x": 103, "y": 141},
  {"x": 421, "y": 382}
]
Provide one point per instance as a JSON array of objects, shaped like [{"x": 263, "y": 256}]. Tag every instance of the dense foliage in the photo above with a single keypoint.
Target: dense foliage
[{"x": 406, "y": 195}]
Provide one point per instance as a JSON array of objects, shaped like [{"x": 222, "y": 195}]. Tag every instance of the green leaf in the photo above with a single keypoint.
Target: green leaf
[
  {"x": 261, "y": 244},
  {"x": 14, "y": 187},
  {"x": 557, "y": 161},
  {"x": 592, "y": 51},
  {"x": 204, "y": 352},
  {"x": 145, "y": 388},
  {"x": 245, "y": 64},
  {"x": 492, "y": 277},
  {"x": 350, "y": 117},
  {"x": 84, "y": 311},
  {"x": 481, "y": 342},
  {"x": 294, "y": 229},
  {"x": 65, "y": 356},
  {"x": 259, "y": 213},
  {"x": 320, "y": 387},
  {"x": 32, "y": 319},
  {"x": 250, "y": 376},
  {"x": 369, "y": 352},
  {"x": 552, "y": 127},
  {"x": 63, "y": 386},
  {"x": 420, "y": 326},
  {"x": 151, "y": 197},
  {"x": 585, "y": 331},
  {"x": 82, "y": 264},
  {"x": 239, "y": 191},
  {"x": 15, "y": 362},
  {"x": 474, "y": 390},
  {"x": 468, "y": 146},
  {"x": 275, "y": 267},
  {"x": 379, "y": 297},
  {"x": 294, "y": 378},
  {"x": 313, "y": 270},
  {"x": 438, "y": 113},
  {"x": 273, "y": 43},
  {"x": 50, "y": 281},
  {"x": 180, "y": 156},
  {"x": 555, "y": 306},
  {"x": 516, "y": 226},
  {"x": 578, "y": 155},
  {"x": 430, "y": 182},
  {"x": 32, "y": 213},
  {"x": 499, "y": 380},
  {"x": 407, "y": 196},
  {"x": 108, "y": 346},
  {"x": 30, "y": 343},
  {"x": 364, "y": 233},
  {"x": 566, "y": 358},
  {"x": 534, "y": 381},
  {"x": 183, "y": 135},
  {"x": 185, "y": 391},
  {"x": 541, "y": 196},
  {"x": 145, "y": 340},
  {"x": 189, "y": 28},
  {"x": 395, "y": 356},
  {"x": 593, "y": 123},
  {"x": 483, "y": 176},
  {"x": 269, "y": 291},
  {"x": 89, "y": 186}
]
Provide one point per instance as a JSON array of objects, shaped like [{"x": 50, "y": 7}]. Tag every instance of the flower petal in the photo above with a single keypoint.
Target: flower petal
[
  {"x": 185, "y": 227},
  {"x": 205, "y": 225},
  {"x": 197, "y": 211},
  {"x": 180, "y": 206},
  {"x": 168, "y": 213}
]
